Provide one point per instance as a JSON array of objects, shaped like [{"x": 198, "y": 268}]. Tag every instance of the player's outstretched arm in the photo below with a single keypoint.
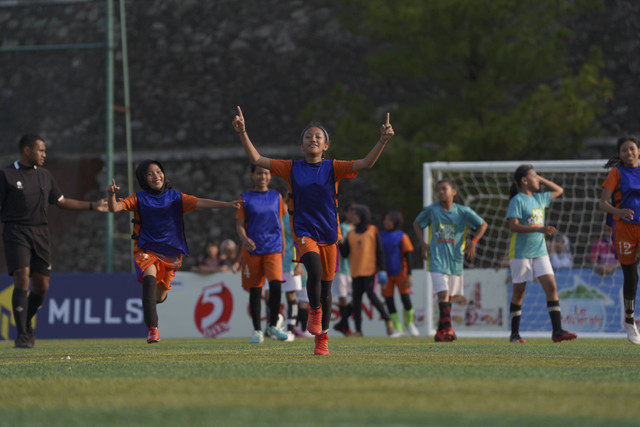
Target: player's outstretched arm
[
  {"x": 386, "y": 132},
  {"x": 216, "y": 204},
  {"x": 81, "y": 205},
  {"x": 113, "y": 204},
  {"x": 254, "y": 157}
]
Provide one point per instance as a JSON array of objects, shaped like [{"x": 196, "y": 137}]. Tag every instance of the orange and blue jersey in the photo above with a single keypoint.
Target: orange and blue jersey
[
  {"x": 261, "y": 212},
  {"x": 313, "y": 201},
  {"x": 395, "y": 244},
  {"x": 159, "y": 220},
  {"x": 624, "y": 183}
]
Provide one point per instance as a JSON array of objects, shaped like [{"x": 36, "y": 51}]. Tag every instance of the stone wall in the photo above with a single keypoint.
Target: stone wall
[{"x": 191, "y": 62}]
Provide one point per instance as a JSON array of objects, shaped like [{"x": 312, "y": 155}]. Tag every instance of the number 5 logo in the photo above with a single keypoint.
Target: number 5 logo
[{"x": 213, "y": 310}]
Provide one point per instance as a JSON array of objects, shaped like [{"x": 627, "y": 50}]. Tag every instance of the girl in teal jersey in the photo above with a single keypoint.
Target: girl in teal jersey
[
  {"x": 444, "y": 249},
  {"x": 528, "y": 256}
]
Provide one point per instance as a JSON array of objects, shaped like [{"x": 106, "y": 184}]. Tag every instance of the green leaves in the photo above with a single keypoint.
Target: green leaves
[
  {"x": 471, "y": 80},
  {"x": 492, "y": 76}
]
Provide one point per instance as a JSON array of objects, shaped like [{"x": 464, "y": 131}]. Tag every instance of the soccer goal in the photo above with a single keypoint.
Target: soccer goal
[{"x": 589, "y": 284}]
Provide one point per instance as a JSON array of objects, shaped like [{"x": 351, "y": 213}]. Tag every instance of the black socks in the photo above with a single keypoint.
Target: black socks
[{"x": 149, "y": 284}]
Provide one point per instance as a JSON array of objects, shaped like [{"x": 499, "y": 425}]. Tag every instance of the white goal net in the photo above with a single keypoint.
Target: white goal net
[{"x": 590, "y": 296}]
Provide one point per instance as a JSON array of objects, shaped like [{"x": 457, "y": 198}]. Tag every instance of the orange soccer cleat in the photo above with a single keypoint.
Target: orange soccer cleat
[
  {"x": 154, "y": 335},
  {"x": 322, "y": 345},
  {"x": 314, "y": 324}
]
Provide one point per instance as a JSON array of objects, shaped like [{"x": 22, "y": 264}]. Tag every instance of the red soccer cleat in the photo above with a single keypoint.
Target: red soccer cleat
[
  {"x": 449, "y": 334},
  {"x": 516, "y": 338},
  {"x": 154, "y": 335},
  {"x": 439, "y": 337},
  {"x": 563, "y": 335},
  {"x": 343, "y": 329},
  {"x": 322, "y": 345},
  {"x": 314, "y": 324}
]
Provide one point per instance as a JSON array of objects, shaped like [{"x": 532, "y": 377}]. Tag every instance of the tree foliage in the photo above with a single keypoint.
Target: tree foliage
[{"x": 473, "y": 80}]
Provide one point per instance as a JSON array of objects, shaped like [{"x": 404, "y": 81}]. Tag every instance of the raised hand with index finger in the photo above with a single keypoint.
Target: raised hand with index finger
[
  {"x": 238, "y": 122},
  {"x": 113, "y": 188},
  {"x": 386, "y": 131}
]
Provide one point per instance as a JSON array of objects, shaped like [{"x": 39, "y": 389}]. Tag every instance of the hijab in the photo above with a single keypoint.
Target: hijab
[{"x": 141, "y": 176}]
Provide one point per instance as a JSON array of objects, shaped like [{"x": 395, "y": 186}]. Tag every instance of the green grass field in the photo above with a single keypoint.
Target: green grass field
[{"x": 365, "y": 381}]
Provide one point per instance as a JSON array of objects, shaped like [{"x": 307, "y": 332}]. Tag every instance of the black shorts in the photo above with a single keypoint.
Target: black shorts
[{"x": 27, "y": 246}]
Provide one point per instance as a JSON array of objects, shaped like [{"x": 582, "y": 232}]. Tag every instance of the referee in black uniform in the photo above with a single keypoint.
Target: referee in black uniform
[{"x": 26, "y": 190}]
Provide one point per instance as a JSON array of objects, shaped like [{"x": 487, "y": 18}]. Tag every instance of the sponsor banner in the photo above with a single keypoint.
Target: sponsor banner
[
  {"x": 88, "y": 305},
  {"x": 81, "y": 306},
  {"x": 483, "y": 307},
  {"x": 216, "y": 305},
  {"x": 589, "y": 303}
]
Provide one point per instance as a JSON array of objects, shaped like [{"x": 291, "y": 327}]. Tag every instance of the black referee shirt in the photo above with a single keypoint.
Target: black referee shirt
[{"x": 25, "y": 194}]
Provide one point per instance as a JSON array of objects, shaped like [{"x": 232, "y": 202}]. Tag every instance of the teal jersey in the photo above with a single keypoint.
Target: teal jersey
[
  {"x": 447, "y": 235},
  {"x": 344, "y": 262},
  {"x": 529, "y": 211},
  {"x": 289, "y": 254}
]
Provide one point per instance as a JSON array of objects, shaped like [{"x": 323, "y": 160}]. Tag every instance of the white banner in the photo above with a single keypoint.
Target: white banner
[{"x": 216, "y": 305}]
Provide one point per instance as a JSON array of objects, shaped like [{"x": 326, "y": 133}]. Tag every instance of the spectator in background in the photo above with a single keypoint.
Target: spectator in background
[
  {"x": 229, "y": 254},
  {"x": 603, "y": 254},
  {"x": 560, "y": 256},
  {"x": 209, "y": 262}
]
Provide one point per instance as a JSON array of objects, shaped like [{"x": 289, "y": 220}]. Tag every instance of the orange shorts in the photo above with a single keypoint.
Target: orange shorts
[
  {"x": 328, "y": 254},
  {"x": 256, "y": 267},
  {"x": 398, "y": 281},
  {"x": 626, "y": 238},
  {"x": 166, "y": 266}
]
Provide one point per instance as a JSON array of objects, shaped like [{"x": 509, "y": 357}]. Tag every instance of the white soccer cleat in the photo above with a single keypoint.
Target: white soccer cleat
[
  {"x": 257, "y": 337},
  {"x": 413, "y": 331},
  {"x": 632, "y": 332},
  {"x": 277, "y": 334},
  {"x": 290, "y": 336},
  {"x": 397, "y": 334}
]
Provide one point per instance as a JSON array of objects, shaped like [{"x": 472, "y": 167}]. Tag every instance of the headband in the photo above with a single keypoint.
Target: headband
[{"x": 326, "y": 134}]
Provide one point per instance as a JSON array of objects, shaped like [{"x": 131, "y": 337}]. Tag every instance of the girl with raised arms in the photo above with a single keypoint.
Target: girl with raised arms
[{"x": 313, "y": 185}]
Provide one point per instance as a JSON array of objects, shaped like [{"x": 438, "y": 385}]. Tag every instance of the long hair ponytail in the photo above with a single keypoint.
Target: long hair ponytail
[
  {"x": 615, "y": 160},
  {"x": 520, "y": 173}
]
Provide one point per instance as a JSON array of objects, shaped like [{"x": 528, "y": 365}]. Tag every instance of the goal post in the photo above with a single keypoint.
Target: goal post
[{"x": 591, "y": 300}]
